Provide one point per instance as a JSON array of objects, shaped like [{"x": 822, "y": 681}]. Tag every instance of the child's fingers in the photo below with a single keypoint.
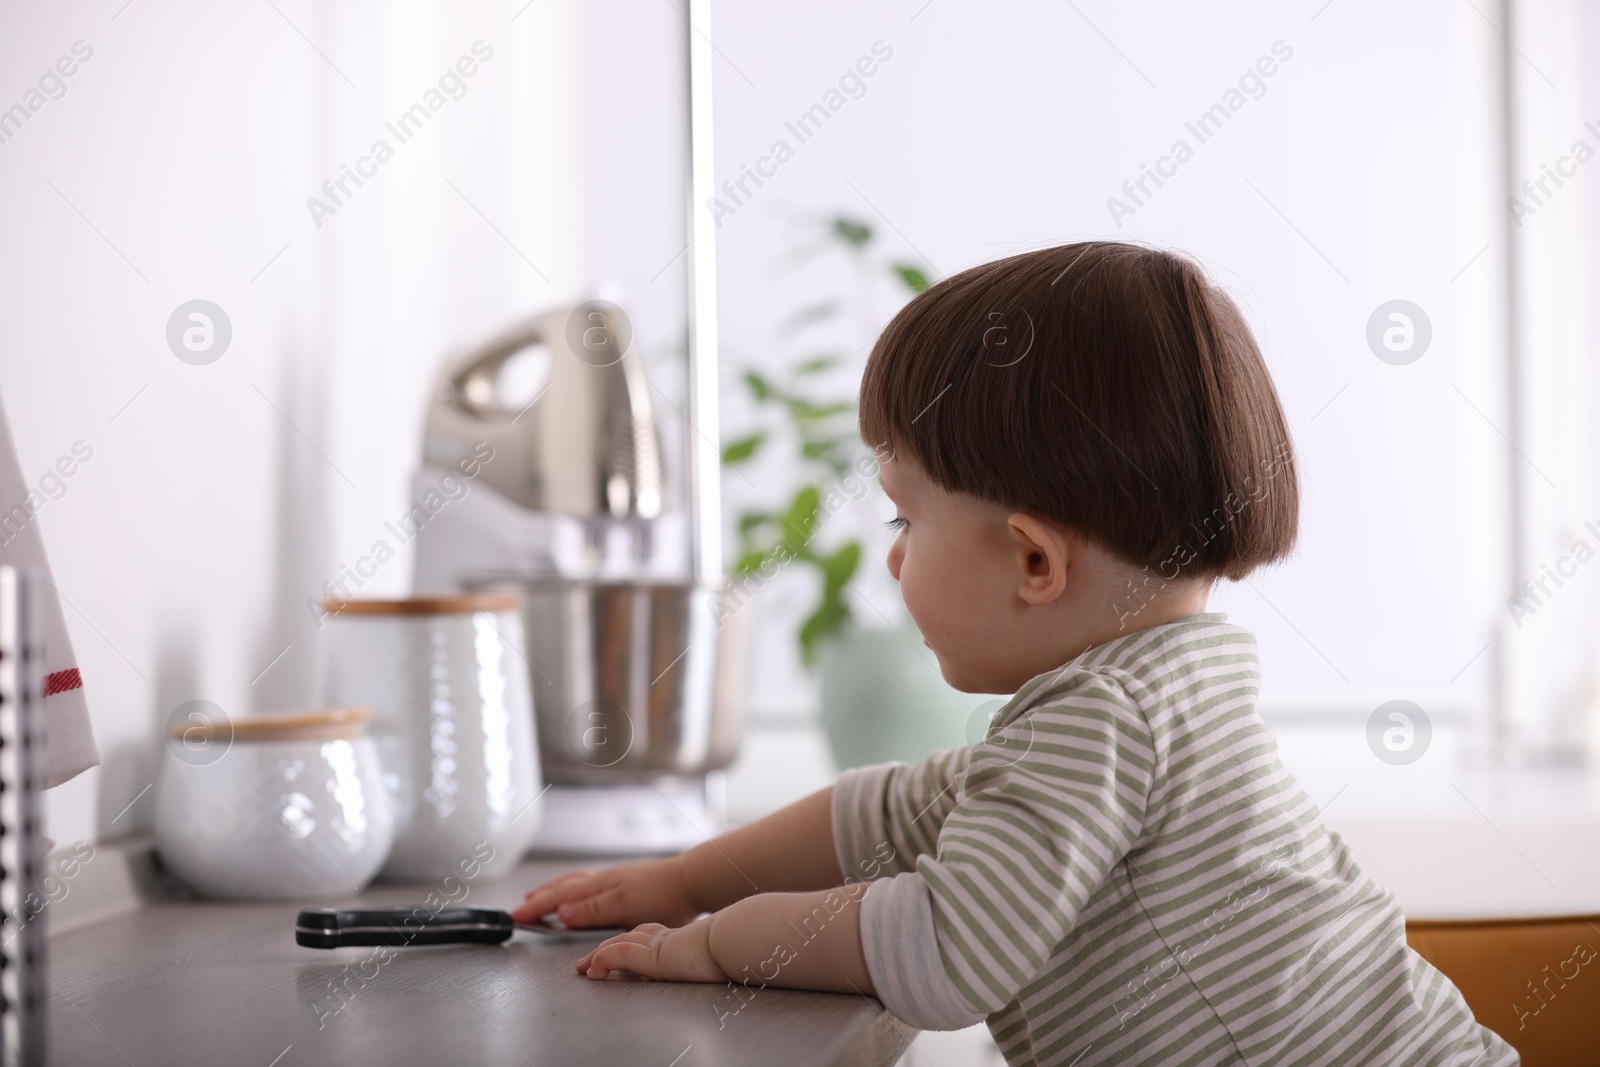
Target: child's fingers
[
  {"x": 626, "y": 952},
  {"x": 559, "y": 884},
  {"x": 629, "y": 936},
  {"x": 553, "y": 894},
  {"x": 543, "y": 899},
  {"x": 602, "y": 909},
  {"x": 647, "y": 930}
]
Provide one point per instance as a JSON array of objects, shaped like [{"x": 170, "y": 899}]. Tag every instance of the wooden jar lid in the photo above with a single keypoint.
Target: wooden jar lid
[
  {"x": 320, "y": 725},
  {"x": 422, "y": 605}
]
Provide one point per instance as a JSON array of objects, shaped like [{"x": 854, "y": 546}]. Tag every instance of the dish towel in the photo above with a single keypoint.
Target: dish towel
[{"x": 68, "y": 738}]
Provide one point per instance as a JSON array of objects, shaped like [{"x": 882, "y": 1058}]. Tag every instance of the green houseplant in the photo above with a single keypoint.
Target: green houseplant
[
  {"x": 821, "y": 429},
  {"x": 882, "y": 694}
]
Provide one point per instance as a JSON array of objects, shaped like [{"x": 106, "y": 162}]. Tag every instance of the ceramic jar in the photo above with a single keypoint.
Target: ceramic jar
[
  {"x": 453, "y": 721},
  {"x": 281, "y": 806}
]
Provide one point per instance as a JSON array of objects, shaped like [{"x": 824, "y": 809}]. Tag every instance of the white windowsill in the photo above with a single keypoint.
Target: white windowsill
[{"x": 1449, "y": 840}]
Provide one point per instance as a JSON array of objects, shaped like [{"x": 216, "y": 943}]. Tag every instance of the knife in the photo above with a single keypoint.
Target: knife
[{"x": 402, "y": 926}]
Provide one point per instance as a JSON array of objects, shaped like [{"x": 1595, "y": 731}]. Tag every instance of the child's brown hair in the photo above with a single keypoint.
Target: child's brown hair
[{"x": 1107, "y": 386}]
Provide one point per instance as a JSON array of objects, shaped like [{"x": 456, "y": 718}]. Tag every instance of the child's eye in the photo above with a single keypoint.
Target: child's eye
[{"x": 897, "y": 523}]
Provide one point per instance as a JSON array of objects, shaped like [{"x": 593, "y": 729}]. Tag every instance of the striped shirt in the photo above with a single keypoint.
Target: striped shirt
[{"x": 1122, "y": 872}]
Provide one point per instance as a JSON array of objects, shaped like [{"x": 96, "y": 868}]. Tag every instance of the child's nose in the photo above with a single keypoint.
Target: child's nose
[{"x": 896, "y": 554}]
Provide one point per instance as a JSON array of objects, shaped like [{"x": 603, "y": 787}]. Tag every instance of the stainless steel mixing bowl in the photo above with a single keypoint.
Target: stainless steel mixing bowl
[{"x": 631, "y": 680}]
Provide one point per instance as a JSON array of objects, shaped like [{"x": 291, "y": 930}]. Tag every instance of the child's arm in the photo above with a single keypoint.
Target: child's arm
[
  {"x": 790, "y": 850},
  {"x": 789, "y": 940},
  {"x": 782, "y": 917}
]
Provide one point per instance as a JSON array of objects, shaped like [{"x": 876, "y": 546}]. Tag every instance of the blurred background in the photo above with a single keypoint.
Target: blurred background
[{"x": 1401, "y": 197}]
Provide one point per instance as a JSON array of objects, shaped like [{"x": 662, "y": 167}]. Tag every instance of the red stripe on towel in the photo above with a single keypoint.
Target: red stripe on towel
[{"x": 61, "y": 681}]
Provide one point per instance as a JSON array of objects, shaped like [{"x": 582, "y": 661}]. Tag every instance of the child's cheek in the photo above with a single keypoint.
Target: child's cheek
[{"x": 921, "y": 592}]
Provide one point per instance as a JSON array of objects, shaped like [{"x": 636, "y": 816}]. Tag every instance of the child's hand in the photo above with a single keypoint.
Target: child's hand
[
  {"x": 625, "y": 895},
  {"x": 656, "y": 951}
]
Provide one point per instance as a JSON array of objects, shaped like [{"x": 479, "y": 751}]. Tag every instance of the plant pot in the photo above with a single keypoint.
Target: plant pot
[{"x": 884, "y": 699}]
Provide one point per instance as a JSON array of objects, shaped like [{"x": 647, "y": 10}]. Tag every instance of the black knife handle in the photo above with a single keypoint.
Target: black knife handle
[{"x": 338, "y": 927}]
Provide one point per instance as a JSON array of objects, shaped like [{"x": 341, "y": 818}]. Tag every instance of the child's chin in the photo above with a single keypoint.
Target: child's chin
[
  {"x": 970, "y": 678},
  {"x": 958, "y": 678}
]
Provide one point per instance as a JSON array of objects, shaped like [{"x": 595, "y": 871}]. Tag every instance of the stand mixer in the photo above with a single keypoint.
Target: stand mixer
[
  {"x": 634, "y": 661},
  {"x": 635, "y": 656}
]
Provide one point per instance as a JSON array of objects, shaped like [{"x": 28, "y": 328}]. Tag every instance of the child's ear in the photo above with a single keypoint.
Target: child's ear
[{"x": 1041, "y": 552}]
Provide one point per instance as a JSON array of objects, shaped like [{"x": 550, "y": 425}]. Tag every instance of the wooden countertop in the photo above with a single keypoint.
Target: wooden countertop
[{"x": 175, "y": 983}]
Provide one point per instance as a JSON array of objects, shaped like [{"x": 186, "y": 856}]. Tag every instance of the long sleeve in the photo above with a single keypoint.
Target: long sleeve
[
  {"x": 886, "y": 815},
  {"x": 1129, "y": 875},
  {"x": 1049, "y": 804}
]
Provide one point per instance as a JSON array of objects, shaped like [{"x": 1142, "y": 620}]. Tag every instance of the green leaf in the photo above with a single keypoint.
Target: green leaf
[
  {"x": 741, "y": 449},
  {"x": 750, "y": 562},
  {"x": 805, "y": 410},
  {"x": 759, "y": 387},
  {"x": 837, "y": 452},
  {"x": 809, "y": 315},
  {"x": 752, "y": 520},
  {"x": 853, "y": 233},
  {"x": 816, "y": 364},
  {"x": 804, "y": 515},
  {"x": 830, "y": 618},
  {"x": 914, "y": 277},
  {"x": 839, "y": 568}
]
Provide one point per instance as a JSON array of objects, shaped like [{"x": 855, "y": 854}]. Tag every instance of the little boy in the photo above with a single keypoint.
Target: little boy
[{"x": 1079, "y": 442}]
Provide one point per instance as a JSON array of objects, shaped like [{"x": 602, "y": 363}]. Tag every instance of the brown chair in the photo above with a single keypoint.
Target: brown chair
[{"x": 1535, "y": 982}]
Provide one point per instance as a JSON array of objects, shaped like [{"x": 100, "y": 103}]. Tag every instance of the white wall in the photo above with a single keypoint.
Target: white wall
[
  {"x": 1552, "y": 697},
  {"x": 190, "y": 141},
  {"x": 1368, "y": 171},
  {"x": 188, "y": 145}
]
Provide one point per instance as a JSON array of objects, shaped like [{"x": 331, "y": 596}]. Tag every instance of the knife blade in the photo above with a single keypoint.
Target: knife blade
[{"x": 401, "y": 927}]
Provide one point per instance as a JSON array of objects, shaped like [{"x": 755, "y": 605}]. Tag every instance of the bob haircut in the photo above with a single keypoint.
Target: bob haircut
[{"x": 1106, "y": 386}]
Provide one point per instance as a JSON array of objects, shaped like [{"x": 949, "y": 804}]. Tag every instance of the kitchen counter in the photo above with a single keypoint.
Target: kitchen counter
[{"x": 174, "y": 983}]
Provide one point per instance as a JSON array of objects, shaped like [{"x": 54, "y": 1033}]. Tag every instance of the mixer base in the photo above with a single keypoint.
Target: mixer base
[{"x": 631, "y": 819}]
